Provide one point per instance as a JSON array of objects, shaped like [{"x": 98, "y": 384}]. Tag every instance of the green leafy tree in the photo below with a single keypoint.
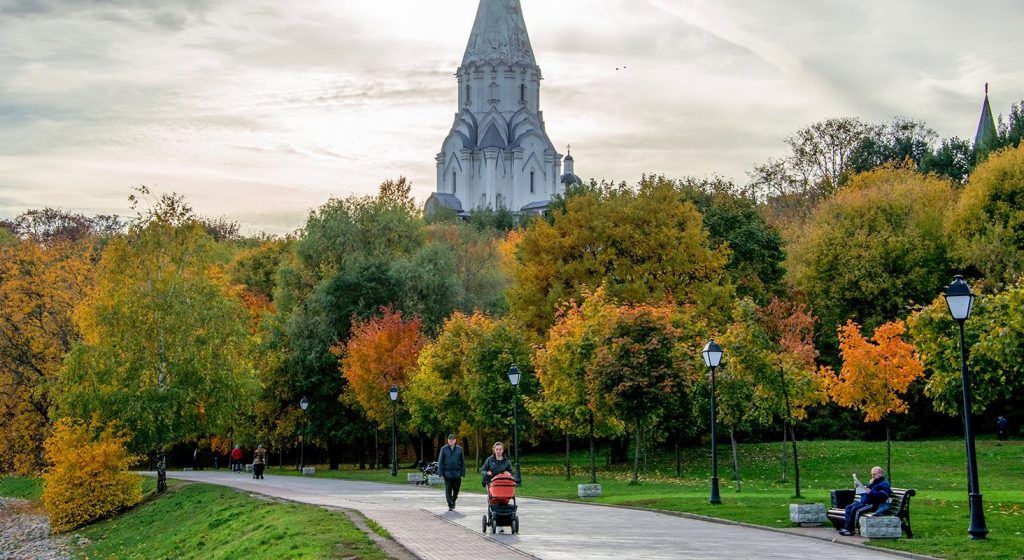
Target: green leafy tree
[
  {"x": 166, "y": 351},
  {"x": 636, "y": 364},
  {"x": 995, "y": 339}
]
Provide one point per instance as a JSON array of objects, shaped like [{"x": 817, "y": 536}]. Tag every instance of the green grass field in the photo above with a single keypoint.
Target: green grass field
[
  {"x": 198, "y": 521},
  {"x": 936, "y": 469}
]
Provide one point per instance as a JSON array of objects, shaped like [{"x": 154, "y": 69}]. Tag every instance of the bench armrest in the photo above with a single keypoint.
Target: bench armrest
[{"x": 843, "y": 498}]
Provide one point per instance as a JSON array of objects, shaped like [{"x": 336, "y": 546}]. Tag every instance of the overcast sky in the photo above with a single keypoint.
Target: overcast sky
[{"x": 261, "y": 110}]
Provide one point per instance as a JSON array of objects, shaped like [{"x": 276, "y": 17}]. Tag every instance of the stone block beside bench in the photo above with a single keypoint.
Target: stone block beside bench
[
  {"x": 589, "y": 490},
  {"x": 309, "y": 471},
  {"x": 881, "y": 527},
  {"x": 807, "y": 514},
  {"x": 413, "y": 478},
  {"x": 434, "y": 479}
]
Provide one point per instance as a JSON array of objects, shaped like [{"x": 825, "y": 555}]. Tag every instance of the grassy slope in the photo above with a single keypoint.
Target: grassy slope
[
  {"x": 21, "y": 487},
  {"x": 198, "y": 521},
  {"x": 934, "y": 468}
]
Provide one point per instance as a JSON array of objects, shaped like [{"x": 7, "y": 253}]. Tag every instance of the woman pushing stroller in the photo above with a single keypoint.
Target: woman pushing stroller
[
  {"x": 501, "y": 492},
  {"x": 496, "y": 464}
]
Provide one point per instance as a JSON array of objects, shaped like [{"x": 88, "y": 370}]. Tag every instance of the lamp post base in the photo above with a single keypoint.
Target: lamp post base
[
  {"x": 978, "y": 529},
  {"x": 716, "y": 498}
]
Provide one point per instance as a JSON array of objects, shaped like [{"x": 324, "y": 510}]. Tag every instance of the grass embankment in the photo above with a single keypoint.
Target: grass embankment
[
  {"x": 936, "y": 469},
  {"x": 198, "y": 521},
  {"x": 21, "y": 487}
]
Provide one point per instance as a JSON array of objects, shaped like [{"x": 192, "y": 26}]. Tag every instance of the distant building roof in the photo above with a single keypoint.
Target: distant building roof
[
  {"x": 538, "y": 206},
  {"x": 571, "y": 179}
]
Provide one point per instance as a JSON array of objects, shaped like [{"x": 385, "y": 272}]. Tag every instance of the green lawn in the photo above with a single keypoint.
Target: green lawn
[
  {"x": 934, "y": 468},
  {"x": 198, "y": 521},
  {"x": 21, "y": 487}
]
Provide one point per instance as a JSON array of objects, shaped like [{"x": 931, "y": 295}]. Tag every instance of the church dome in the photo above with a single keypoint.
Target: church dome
[{"x": 571, "y": 179}]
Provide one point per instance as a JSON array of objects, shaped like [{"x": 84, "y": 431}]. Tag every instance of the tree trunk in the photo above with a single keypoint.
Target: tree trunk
[
  {"x": 419, "y": 458},
  {"x": 593, "y": 458},
  {"x": 796, "y": 460},
  {"x": 783, "y": 460},
  {"x": 735, "y": 459},
  {"x": 333, "y": 455},
  {"x": 888, "y": 453},
  {"x": 568, "y": 460},
  {"x": 376, "y": 446},
  {"x": 792, "y": 434},
  {"x": 679, "y": 467},
  {"x": 636, "y": 458},
  {"x": 479, "y": 439}
]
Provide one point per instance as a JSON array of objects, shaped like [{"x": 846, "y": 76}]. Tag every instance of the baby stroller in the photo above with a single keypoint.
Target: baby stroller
[
  {"x": 501, "y": 504},
  {"x": 426, "y": 469}
]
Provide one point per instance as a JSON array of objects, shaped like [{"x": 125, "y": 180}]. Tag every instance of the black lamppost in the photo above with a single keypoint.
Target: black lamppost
[
  {"x": 303, "y": 404},
  {"x": 515, "y": 376},
  {"x": 712, "y": 355},
  {"x": 393, "y": 394},
  {"x": 961, "y": 302}
]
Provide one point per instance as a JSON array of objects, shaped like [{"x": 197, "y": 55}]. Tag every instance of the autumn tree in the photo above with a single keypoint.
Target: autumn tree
[
  {"x": 875, "y": 375},
  {"x": 643, "y": 245},
  {"x": 41, "y": 282},
  {"x": 568, "y": 398},
  {"x": 636, "y": 364},
  {"x": 873, "y": 249},
  {"x": 383, "y": 351},
  {"x": 772, "y": 347},
  {"x": 435, "y": 394},
  {"x": 988, "y": 221},
  {"x": 166, "y": 351}
]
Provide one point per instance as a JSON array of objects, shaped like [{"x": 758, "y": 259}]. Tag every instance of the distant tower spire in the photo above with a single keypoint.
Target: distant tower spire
[{"x": 987, "y": 137}]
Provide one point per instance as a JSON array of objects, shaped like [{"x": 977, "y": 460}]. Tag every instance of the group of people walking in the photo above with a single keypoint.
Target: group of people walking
[{"x": 451, "y": 465}]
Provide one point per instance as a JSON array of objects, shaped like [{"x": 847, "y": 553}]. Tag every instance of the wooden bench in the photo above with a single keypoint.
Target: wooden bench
[{"x": 899, "y": 506}]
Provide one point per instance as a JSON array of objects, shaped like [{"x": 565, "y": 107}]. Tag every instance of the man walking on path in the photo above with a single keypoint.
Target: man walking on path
[
  {"x": 259, "y": 462},
  {"x": 451, "y": 464},
  {"x": 1004, "y": 428}
]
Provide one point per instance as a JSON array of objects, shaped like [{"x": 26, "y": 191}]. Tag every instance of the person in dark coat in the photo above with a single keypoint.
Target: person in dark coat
[
  {"x": 1004, "y": 428},
  {"x": 451, "y": 464},
  {"x": 878, "y": 492},
  {"x": 259, "y": 462},
  {"x": 496, "y": 464}
]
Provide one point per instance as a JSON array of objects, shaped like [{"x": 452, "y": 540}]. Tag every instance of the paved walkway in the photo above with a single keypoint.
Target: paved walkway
[{"x": 419, "y": 520}]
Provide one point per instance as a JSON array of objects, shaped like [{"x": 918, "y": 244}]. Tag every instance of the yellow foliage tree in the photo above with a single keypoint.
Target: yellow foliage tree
[
  {"x": 40, "y": 284},
  {"x": 88, "y": 477},
  {"x": 875, "y": 373}
]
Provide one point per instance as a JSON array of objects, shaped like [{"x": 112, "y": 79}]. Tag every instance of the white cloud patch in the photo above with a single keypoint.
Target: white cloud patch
[{"x": 261, "y": 110}]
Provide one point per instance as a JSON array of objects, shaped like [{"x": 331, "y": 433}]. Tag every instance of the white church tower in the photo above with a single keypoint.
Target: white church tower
[{"x": 497, "y": 154}]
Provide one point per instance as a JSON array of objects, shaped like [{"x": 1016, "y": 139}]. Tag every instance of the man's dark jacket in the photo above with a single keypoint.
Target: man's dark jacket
[{"x": 451, "y": 463}]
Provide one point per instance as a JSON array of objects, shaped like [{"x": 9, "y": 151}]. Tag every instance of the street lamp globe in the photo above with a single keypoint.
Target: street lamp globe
[
  {"x": 393, "y": 393},
  {"x": 514, "y": 375},
  {"x": 304, "y": 403},
  {"x": 960, "y": 299},
  {"x": 712, "y": 354}
]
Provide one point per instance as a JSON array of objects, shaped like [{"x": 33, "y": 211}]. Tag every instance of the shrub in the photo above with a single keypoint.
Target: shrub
[{"x": 87, "y": 478}]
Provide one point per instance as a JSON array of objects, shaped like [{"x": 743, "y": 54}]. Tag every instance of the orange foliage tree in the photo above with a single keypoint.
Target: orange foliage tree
[
  {"x": 876, "y": 373},
  {"x": 382, "y": 352}
]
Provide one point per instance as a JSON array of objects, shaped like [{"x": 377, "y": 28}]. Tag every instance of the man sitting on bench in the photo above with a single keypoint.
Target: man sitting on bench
[{"x": 875, "y": 494}]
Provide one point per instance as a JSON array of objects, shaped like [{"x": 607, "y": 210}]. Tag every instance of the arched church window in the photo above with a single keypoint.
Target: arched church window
[
  {"x": 469, "y": 91},
  {"x": 532, "y": 182},
  {"x": 455, "y": 183},
  {"x": 494, "y": 92},
  {"x": 499, "y": 202},
  {"x": 522, "y": 93}
]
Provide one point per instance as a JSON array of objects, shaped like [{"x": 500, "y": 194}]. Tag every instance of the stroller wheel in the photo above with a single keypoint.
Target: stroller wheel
[
  {"x": 494, "y": 526},
  {"x": 485, "y": 524},
  {"x": 515, "y": 525}
]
